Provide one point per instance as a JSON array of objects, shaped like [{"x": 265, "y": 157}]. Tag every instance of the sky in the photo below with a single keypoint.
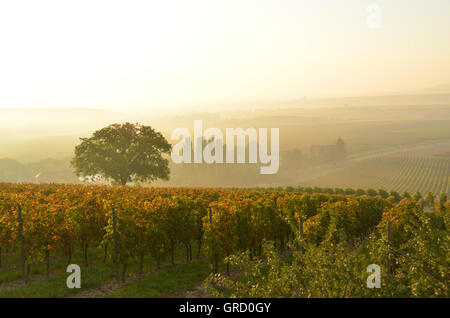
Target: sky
[{"x": 144, "y": 55}]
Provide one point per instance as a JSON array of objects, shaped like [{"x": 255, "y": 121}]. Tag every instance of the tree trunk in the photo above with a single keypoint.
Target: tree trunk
[
  {"x": 190, "y": 251},
  {"x": 106, "y": 253},
  {"x": 0, "y": 257},
  {"x": 70, "y": 257},
  {"x": 123, "y": 180},
  {"x": 124, "y": 269},
  {"x": 187, "y": 253},
  {"x": 141, "y": 263}
]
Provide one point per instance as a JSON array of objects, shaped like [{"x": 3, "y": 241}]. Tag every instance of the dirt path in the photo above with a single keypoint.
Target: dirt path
[
  {"x": 35, "y": 278},
  {"x": 196, "y": 291},
  {"x": 112, "y": 286}
]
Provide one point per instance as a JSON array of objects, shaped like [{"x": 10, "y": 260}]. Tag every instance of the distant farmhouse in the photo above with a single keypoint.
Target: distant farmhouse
[{"x": 331, "y": 152}]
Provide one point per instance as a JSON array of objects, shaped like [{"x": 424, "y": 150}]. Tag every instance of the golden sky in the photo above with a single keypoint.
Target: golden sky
[{"x": 140, "y": 55}]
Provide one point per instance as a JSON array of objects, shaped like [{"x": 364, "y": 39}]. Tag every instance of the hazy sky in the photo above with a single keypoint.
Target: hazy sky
[{"x": 142, "y": 55}]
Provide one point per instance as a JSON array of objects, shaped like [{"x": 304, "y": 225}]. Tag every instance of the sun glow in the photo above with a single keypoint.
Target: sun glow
[{"x": 143, "y": 54}]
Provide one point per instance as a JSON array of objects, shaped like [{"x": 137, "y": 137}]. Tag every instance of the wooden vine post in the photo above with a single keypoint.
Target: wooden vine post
[
  {"x": 116, "y": 261},
  {"x": 22, "y": 250},
  {"x": 210, "y": 222},
  {"x": 389, "y": 239},
  {"x": 301, "y": 234}
]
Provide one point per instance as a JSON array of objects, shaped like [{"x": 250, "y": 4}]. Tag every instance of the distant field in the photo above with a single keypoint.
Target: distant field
[
  {"x": 402, "y": 173},
  {"x": 371, "y": 130}
]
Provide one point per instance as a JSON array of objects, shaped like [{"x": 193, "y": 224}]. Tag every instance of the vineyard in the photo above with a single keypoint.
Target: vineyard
[
  {"x": 400, "y": 173},
  {"x": 50, "y": 222}
]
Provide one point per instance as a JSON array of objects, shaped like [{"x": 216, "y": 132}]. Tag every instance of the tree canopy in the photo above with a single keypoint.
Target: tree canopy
[{"x": 123, "y": 153}]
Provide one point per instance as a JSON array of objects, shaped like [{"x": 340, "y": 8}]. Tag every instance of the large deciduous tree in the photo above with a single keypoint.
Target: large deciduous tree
[{"x": 123, "y": 153}]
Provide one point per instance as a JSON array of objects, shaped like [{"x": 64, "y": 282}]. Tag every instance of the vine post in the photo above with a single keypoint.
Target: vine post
[
  {"x": 389, "y": 239},
  {"x": 301, "y": 234},
  {"x": 115, "y": 245},
  {"x": 210, "y": 222},
  {"x": 22, "y": 250}
]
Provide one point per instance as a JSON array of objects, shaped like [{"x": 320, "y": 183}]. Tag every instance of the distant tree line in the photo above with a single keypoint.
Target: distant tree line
[{"x": 47, "y": 170}]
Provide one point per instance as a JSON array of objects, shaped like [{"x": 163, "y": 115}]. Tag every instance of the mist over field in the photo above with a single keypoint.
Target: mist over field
[{"x": 385, "y": 136}]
